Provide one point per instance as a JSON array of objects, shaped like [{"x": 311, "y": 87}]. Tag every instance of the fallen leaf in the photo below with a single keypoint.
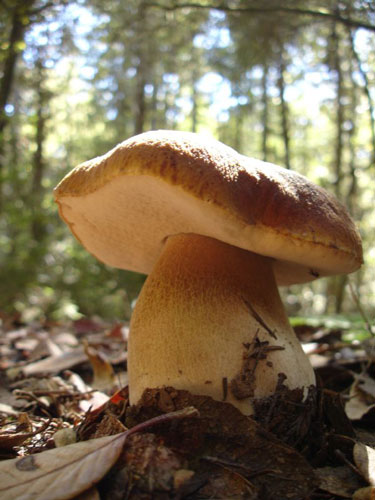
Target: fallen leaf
[
  {"x": 91, "y": 494},
  {"x": 359, "y": 404},
  {"x": 119, "y": 331},
  {"x": 366, "y": 384},
  {"x": 87, "y": 325},
  {"x": 152, "y": 463},
  {"x": 63, "y": 473},
  {"x": 8, "y": 410},
  {"x": 60, "y": 473},
  {"x": 104, "y": 375},
  {"x": 54, "y": 364},
  {"x": 225, "y": 448},
  {"x": 364, "y": 458},
  {"x": 9, "y": 440},
  {"x": 367, "y": 493},
  {"x": 338, "y": 481}
]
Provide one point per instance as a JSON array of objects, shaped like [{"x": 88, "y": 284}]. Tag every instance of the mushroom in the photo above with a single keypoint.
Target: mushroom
[{"x": 216, "y": 232}]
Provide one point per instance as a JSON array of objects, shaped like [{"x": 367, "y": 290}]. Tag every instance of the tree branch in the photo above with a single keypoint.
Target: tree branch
[{"x": 320, "y": 14}]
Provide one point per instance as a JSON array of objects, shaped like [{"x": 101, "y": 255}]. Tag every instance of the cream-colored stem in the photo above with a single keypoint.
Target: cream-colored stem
[{"x": 210, "y": 320}]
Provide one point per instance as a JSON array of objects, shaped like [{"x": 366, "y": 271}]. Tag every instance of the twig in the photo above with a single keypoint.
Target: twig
[
  {"x": 258, "y": 318},
  {"x": 360, "y": 310}
]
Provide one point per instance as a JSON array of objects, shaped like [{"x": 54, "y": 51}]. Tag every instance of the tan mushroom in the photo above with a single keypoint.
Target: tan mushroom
[{"x": 216, "y": 232}]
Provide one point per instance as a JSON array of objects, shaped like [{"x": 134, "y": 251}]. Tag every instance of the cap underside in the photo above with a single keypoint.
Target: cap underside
[{"x": 124, "y": 223}]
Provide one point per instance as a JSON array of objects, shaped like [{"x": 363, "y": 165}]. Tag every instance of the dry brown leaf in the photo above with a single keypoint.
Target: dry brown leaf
[
  {"x": 7, "y": 410},
  {"x": 367, "y": 493},
  {"x": 338, "y": 481},
  {"x": 364, "y": 458},
  {"x": 91, "y": 494},
  {"x": 366, "y": 384},
  {"x": 54, "y": 364},
  {"x": 104, "y": 375},
  {"x": 61, "y": 473},
  {"x": 359, "y": 402},
  {"x": 9, "y": 439}
]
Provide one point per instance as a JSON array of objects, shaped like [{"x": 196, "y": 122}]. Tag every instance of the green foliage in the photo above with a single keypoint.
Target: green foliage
[
  {"x": 352, "y": 326},
  {"x": 288, "y": 82}
]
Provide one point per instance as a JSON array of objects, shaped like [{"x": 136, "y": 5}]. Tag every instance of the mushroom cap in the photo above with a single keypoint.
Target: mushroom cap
[{"x": 123, "y": 205}]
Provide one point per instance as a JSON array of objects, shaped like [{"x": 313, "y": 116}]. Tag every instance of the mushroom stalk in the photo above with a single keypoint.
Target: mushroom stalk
[{"x": 210, "y": 320}]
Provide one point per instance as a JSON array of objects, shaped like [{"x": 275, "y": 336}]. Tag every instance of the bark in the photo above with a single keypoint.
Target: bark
[
  {"x": 265, "y": 114},
  {"x": 367, "y": 92},
  {"x": 140, "y": 101},
  {"x": 238, "y": 130},
  {"x": 142, "y": 70},
  {"x": 335, "y": 285},
  {"x": 37, "y": 226},
  {"x": 284, "y": 113},
  {"x": 16, "y": 36},
  {"x": 154, "y": 106},
  {"x": 195, "y": 109},
  {"x": 339, "y": 143},
  {"x": 351, "y": 198}
]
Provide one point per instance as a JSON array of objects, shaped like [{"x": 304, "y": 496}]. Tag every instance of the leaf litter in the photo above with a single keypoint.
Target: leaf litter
[{"x": 64, "y": 399}]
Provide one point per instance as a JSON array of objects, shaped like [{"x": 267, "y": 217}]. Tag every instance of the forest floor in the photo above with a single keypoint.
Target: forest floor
[{"x": 67, "y": 430}]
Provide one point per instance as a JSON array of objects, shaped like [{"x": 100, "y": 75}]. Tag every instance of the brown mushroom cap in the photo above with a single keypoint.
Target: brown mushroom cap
[{"x": 123, "y": 205}]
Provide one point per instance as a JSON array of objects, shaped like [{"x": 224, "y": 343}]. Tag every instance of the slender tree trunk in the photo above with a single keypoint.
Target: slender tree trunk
[
  {"x": 284, "y": 112},
  {"x": 265, "y": 113},
  {"x": 339, "y": 143},
  {"x": 36, "y": 195},
  {"x": 8, "y": 71},
  {"x": 351, "y": 196},
  {"x": 238, "y": 130},
  {"x": 336, "y": 285},
  {"x": 366, "y": 89},
  {"x": 195, "y": 108},
  {"x": 140, "y": 101},
  {"x": 154, "y": 106},
  {"x": 142, "y": 70}
]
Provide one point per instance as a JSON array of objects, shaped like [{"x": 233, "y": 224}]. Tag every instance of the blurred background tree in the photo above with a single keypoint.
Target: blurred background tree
[{"x": 290, "y": 82}]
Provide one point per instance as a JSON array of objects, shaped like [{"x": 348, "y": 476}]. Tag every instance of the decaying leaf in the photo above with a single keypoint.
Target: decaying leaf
[
  {"x": 60, "y": 473},
  {"x": 91, "y": 494},
  {"x": 361, "y": 397},
  {"x": 231, "y": 455},
  {"x": 9, "y": 439},
  {"x": 340, "y": 481},
  {"x": 364, "y": 458},
  {"x": 367, "y": 493},
  {"x": 54, "y": 364},
  {"x": 147, "y": 458},
  {"x": 104, "y": 375},
  {"x": 63, "y": 473}
]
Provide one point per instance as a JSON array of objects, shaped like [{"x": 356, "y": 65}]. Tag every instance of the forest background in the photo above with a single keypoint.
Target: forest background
[{"x": 289, "y": 82}]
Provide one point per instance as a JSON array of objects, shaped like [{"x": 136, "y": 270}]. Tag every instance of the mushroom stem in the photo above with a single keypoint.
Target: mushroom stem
[{"x": 210, "y": 320}]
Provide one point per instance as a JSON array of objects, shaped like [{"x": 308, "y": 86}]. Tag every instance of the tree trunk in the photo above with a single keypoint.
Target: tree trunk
[
  {"x": 140, "y": 101},
  {"x": 36, "y": 195},
  {"x": 336, "y": 285},
  {"x": 284, "y": 112},
  {"x": 367, "y": 92},
  {"x": 265, "y": 113},
  {"x": 16, "y": 36},
  {"x": 154, "y": 106},
  {"x": 339, "y": 143},
  {"x": 142, "y": 70},
  {"x": 195, "y": 108}
]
